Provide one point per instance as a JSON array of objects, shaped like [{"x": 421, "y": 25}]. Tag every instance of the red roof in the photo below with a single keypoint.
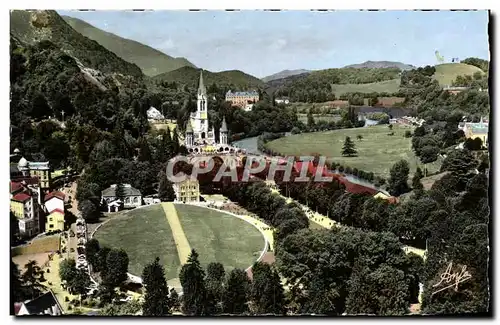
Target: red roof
[
  {"x": 21, "y": 197},
  {"x": 56, "y": 210},
  {"x": 59, "y": 195},
  {"x": 356, "y": 188},
  {"x": 17, "y": 307},
  {"x": 15, "y": 186}
]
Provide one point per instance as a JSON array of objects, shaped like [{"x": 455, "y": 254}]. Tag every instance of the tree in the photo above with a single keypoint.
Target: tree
[
  {"x": 266, "y": 292},
  {"x": 349, "y": 148},
  {"x": 80, "y": 283},
  {"x": 156, "y": 300},
  {"x": 428, "y": 154},
  {"x": 174, "y": 300},
  {"x": 192, "y": 279},
  {"x": 416, "y": 180},
  {"x": 92, "y": 251},
  {"x": 214, "y": 282},
  {"x": 144, "y": 150},
  {"x": 310, "y": 120},
  {"x": 101, "y": 265},
  {"x": 175, "y": 142},
  {"x": 116, "y": 267},
  {"x": 67, "y": 270},
  {"x": 32, "y": 279},
  {"x": 473, "y": 144},
  {"x": 460, "y": 163},
  {"x": 120, "y": 192},
  {"x": 106, "y": 293},
  {"x": 16, "y": 287},
  {"x": 398, "y": 180},
  {"x": 165, "y": 190},
  {"x": 390, "y": 126},
  {"x": 236, "y": 293},
  {"x": 89, "y": 211},
  {"x": 130, "y": 308}
]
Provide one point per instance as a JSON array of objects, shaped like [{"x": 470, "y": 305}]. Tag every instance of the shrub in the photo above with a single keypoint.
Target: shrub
[
  {"x": 66, "y": 299},
  {"x": 408, "y": 134},
  {"x": 348, "y": 170},
  {"x": 355, "y": 171},
  {"x": 341, "y": 168}
]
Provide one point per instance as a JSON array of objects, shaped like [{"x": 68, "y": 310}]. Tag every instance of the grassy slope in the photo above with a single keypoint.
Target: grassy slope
[
  {"x": 219, "y": 237},
  {"x": 389, "y": 86},
  {"x": 144, "y": 234},
  {"x": 377, "y": 152},
  {"x": 448, "y": 72},
  {"x": 31, "y": 27},
  {"x": 151, "y": 61},
  {"x": 190, "y": 76}
]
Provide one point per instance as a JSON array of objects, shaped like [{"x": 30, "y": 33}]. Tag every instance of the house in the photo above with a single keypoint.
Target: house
[
  {"x": 132, "y": 197},
  {"x": 476, "y": 130},
  {"x": 54, "y": 200},
  {"x": 115, "y": 205},
  {"x": 283, "y": 100},
  {"x": 25, "y": 207},
  {"x": 242, "y": 98},
  {"x": 41, "y": 170},
  {"x": 386, "y": 196},
  {"x": 187, "y": 190},
  {"x": 46, "y": 304},
  {"x": 55, "y": 220}
]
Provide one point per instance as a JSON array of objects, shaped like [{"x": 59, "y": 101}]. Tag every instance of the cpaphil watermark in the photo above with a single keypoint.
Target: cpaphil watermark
[{"x": 227, "y": 166}]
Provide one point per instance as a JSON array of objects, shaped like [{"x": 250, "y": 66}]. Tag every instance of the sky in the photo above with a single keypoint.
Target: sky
[{"x": 262, "y": 42}]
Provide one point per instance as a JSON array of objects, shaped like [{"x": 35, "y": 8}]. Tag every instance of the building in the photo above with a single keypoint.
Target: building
[
  {"x": 283, "y": 100},
  {"x": 198, "y": 138},
  {"x": 46, "y": 304},
  {"x": 132, "y": 197},
  {"x": 242, "y": 98},
  {"x": 54, "y": 200},
  {"x": 25, "y": 207},
  {"x": 154, "y": 114},
  {"x": 55, "y": 220},
  {"x": 187, "y": 191},
  {"x": 454, "y": 90},
  {"x": 476, "y": 130},
  {"x": 41, "y": 170}
]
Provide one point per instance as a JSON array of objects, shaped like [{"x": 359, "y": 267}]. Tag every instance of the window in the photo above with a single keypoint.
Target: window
[
  {"x": 51, "y": 226},
  {"x": 50, "y": 219}
]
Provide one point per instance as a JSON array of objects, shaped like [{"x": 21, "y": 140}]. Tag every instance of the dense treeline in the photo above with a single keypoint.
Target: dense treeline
[
  {"x": 316, "y": 87},
  {"x": 431, "y": 102}
]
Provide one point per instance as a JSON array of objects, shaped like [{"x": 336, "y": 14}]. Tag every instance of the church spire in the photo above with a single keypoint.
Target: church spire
[
  {"x": 201, "y": 88},
  {"x": 224, "y": 125}
]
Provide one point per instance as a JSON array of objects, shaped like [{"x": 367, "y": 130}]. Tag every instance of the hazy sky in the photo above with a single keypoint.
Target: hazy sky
[{"x": 262, "y": 43}]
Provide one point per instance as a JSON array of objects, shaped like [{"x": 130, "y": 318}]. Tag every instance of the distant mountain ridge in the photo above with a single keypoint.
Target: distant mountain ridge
[
  {"x": 381, "y": 64},
  {"x": 236, "y": 79},
  {"x": 151, "y": 61},
  {"x": 34, "y": 26},
  {"x": 284, "y": 74}
]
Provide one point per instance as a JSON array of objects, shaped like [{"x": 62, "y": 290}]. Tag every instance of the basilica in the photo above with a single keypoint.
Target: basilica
[{"x": 198, "y": 138}]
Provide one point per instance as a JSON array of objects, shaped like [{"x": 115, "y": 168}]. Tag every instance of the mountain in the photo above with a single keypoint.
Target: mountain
[
  {"x": 34, "y": 26},
  {"x": 235, "y": 79},
  {"x": 381, "y": 64},
  {"x": 151, "y": 61},
  {"x": 284, "y": 74}
]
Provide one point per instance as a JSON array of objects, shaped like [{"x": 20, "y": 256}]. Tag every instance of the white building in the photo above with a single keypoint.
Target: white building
[
  {"x": 154, "y": 114},
  {"x": 198, "y": 139},
  {"x": 283, "y": 100},
  {"x": 132, "y": 197},
  {"x": 54, "y": 200}
]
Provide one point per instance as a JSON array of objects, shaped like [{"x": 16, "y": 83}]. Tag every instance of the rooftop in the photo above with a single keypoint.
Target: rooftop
[
  {"x": 21, "y": 197},
  {"x": 242, "y": 93},
  {"x": 59, "y": 195},
  {"x": 41, "y": 304},
  {"x": 127, "y": 191}
]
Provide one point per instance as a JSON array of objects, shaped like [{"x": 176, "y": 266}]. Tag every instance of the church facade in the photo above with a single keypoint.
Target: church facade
[{"x": 199, "y": 139}]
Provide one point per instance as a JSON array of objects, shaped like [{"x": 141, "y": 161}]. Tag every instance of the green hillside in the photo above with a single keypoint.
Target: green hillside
[
  {"x": 34, "y": 26},
  {"x": 151, "y": 61},
  {"x": 446, "y": 73},
  {"x": 235, "y": 79},
  {"x": 388, "y": 86}
]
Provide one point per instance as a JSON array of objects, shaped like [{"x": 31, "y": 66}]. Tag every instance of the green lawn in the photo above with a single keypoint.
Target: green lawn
[
  {"x": 144, "y": 234},
  {"x": 389, "y": 86},
  {"x": 447, "y": 73},
  {"x": 377, "y": 151},
  {"x": 220, "y": 237}
]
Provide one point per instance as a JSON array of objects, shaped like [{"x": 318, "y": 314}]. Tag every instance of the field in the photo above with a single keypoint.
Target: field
[
  {"x": 377, "y": 151},
  {"x": 389, "y": 86},
  {"x": 448, "y": 72},
  {"x": 146, "y": 233},
  {"x": 220, "y": 237}
]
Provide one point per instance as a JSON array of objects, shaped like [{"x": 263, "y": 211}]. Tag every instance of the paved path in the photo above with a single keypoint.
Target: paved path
[{"x": 181, "y": 241}]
